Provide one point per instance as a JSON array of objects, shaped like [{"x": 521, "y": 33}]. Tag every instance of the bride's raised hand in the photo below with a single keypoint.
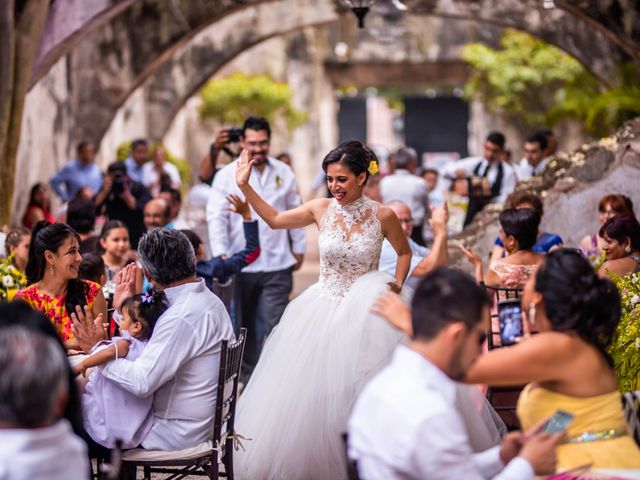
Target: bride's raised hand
[{"x": 243, "y": 169}]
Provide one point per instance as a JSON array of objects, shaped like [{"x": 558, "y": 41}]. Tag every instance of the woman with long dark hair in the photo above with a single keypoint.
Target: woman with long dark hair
[
  {"x": 566, "y": 366},
  {"x": 52, "y": 277},
  {"x": 39, "y": 207}
]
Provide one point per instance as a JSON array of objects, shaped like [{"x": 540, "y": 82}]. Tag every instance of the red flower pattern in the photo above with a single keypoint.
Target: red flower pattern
[{"x": 54, "y": 307}]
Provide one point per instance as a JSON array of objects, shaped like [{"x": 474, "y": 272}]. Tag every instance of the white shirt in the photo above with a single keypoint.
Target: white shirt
[
  {"x": 409, "y": 189},
  {"x": 277, "y": 186},
  {"x": 389, "y": 257},
  {"x": 525, "y": 170},
  {"x": 150, "y": 175},
  {"x": 53, "y": 452},
  {"x": 509, "y": 177},
  {"x": 404, "y": 426},
  {"x": 179, "y": 367}
]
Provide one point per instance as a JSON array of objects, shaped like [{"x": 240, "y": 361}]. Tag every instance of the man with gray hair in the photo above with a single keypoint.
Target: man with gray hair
[
  {"x": 410, "y": 189},
  {"x": 179, "y": 365},
  {"x": 35, "y": 441}
]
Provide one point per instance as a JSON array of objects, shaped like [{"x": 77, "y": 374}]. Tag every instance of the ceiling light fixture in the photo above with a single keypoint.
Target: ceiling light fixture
[{"x": 360, "y": 9}]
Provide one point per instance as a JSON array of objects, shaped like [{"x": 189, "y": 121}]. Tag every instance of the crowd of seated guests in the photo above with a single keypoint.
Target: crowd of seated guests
[{"x": 81, "y": 275}]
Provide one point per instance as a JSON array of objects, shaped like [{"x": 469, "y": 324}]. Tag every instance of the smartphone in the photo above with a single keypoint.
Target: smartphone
[
  {"x": 510, "y": 320},
  {"x": 559, "y": 422}
]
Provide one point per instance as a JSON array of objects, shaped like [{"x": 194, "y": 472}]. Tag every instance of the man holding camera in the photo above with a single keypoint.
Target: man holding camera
[
  {"x": 261, "y": 290},
  {"x": 124, "y": 200}
]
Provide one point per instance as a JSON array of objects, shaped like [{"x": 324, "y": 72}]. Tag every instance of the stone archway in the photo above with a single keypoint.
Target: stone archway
[{"x": 133, "y": 39}]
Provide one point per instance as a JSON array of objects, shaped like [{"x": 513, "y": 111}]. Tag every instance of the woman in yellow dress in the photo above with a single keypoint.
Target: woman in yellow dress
[{"x": 566, "y": 366}]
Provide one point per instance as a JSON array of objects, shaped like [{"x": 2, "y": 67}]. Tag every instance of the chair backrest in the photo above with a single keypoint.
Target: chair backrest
[
  {"x": 352, "y": 465},
  {"x": 227, "y": 394},
  {"x": 631, "y": 405},
  {"x": 497, "y": 294}
]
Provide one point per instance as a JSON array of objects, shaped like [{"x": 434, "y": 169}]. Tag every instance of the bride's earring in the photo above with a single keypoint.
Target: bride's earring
[
  {"x": 52, "y": 270},
  {"x": 532, "y": 313},
  {"x": 627, "y": 250}
]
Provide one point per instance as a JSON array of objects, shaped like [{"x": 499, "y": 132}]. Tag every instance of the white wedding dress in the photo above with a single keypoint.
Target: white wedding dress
[{"x": 315, "y": 362}]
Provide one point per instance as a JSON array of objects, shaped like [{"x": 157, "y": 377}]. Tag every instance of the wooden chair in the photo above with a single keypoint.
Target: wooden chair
[
  {"x": 204, "y": 459},
  {"x": 631, "y": 406},
  {"x": 504, "y": 400},
  {"x": 352, "y": 465}
]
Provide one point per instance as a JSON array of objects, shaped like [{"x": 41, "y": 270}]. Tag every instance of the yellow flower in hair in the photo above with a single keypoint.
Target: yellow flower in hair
[{"x": 373, "y": 167}]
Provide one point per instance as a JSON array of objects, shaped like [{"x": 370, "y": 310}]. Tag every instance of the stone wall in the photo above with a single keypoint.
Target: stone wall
[{"x": 571, "y": 188}]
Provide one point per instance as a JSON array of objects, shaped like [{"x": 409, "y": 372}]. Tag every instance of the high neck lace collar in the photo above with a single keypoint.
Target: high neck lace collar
[{"x": 354, "y": 206}]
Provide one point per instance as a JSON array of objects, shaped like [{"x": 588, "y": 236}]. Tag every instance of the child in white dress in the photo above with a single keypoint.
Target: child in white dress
[{"x": 111, "y": 412}]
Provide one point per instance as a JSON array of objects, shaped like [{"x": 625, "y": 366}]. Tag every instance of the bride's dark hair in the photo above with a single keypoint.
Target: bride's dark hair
[{"x": 354, "y": 155}]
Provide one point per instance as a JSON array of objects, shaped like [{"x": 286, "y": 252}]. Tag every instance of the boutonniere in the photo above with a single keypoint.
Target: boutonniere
[{"x": 278, "y": 180}]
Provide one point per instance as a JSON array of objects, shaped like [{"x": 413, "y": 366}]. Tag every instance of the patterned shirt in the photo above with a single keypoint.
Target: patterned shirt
[{"x": 54, "y": 307}]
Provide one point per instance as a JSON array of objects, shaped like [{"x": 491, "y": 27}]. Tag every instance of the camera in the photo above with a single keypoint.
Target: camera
[
  {"x": 235, "y": 134},
  {"x": 119, "y": 182}
]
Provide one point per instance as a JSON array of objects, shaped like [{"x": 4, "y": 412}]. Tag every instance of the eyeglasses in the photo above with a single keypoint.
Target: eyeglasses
[
  {"x": 406, "y": 221},
  {"x": 264, "y": 143}
]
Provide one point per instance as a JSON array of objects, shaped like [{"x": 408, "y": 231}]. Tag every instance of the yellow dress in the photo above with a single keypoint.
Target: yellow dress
[{"x": 592, "y": 415}]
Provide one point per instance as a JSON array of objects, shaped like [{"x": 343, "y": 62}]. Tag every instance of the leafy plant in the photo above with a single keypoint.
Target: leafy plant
[
  {"x": 234, "y": 98},
  {"x": 534, "y": 83},
  {"x": 625, "y": 348}
]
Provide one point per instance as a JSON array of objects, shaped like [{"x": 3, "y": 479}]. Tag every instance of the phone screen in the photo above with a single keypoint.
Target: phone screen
[
  {"x": 559, "y": 422},
  {"x": 510, "y": 319}
]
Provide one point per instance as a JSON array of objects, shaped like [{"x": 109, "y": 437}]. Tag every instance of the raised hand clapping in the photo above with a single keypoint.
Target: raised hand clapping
[{"x": 243, "y": 169}]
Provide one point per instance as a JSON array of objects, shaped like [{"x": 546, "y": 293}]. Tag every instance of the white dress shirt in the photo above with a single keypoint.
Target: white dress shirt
[
  {"x": 525, "y": 170},
  {"x": 277, "y": 186},
  {"x": 179, "y": 367},
  {"x": 389, "y": 257},
  {"x": 409, "y": 189},
  {"x": 509, "y": 177},
  {"x": 404, "y": 426},
  {"x": 150, "y": 175},
  {"x": 53, "y": 452}
]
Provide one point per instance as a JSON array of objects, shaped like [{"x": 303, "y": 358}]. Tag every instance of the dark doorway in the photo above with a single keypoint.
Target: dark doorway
[
  {"x": 352, "y": 119},
  {"x": 436, "y": 124}
]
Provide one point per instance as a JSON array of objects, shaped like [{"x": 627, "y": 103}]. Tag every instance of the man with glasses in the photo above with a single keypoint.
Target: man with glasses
[
  {"x": 261, "y": 290},
  {"x": 423, "y": 260}
]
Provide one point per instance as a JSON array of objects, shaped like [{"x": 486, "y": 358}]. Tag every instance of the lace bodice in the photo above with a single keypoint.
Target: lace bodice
[{"x": 350, "y": 242}]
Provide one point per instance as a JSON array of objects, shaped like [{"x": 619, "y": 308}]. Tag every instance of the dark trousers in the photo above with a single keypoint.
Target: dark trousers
[
  {"x": 260, "y": 299},
  {"x": 416, "y": 235}
]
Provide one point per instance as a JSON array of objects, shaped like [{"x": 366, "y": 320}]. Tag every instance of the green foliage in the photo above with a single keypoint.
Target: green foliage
[
  {"x": 232, "y": 99},
  {"x": 535, "y": 84},
  {"x": 625, "y": 348},
  {"x": 124, "y": 150}
]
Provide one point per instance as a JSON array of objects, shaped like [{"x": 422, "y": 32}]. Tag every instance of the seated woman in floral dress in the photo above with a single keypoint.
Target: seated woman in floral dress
[{"x": 52, "y": 277}]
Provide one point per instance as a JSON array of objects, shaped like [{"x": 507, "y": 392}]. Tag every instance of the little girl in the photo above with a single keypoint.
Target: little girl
[
  {"x": 115, "y": 248},
  {"x": 110, "y": 412}
]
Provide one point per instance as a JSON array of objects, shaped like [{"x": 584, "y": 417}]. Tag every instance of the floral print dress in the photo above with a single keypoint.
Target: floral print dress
[{"x": 54, "y": 307}]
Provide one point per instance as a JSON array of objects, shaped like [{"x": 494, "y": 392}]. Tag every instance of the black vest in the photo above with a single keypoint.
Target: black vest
[{"x": 497, "y": 185}]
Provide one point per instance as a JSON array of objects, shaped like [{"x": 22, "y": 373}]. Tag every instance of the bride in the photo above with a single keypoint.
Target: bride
[{"x": 327, "y": 345}]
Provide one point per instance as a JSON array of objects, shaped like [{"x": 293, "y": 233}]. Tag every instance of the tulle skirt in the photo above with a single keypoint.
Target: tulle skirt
[
  {"x": 295, "y": 408},
  {"x": 296, "y": 405}
]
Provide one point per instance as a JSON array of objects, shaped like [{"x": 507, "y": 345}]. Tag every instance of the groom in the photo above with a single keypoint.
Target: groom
[{"x": 261, "y": 290}]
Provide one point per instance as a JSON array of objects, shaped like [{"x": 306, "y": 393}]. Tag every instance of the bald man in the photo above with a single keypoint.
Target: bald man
[
  {"x": 423, "y": 261},
  {"x": 157, "y": 213}
]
